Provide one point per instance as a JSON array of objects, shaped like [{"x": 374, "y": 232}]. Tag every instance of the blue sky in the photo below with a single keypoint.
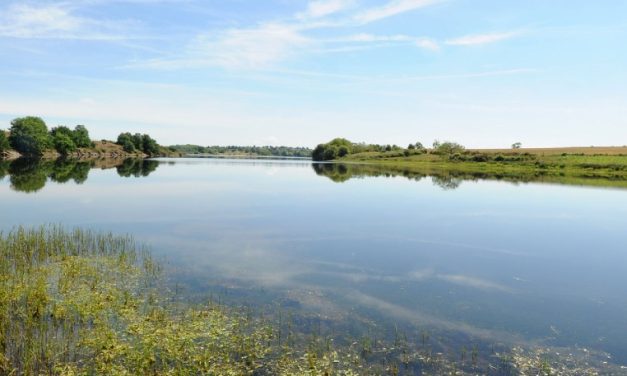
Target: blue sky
[{"x": 297, "y": 72}]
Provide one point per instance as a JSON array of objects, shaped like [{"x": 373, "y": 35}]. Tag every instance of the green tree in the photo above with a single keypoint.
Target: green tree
[
  {"x": 4, "y": 142},
  {"x": 447, "y": 147},
  {"x": 138, "y": 141},
  {"x": 343, "y": 151},
  {"x": 29, "y": 136},
  {"x": 516, "y": 145},
  {"x": 411, "y": 146},
  {"x": 149, "y": 145},
  {"x": 80, "y": 136},
  {"x": 318, "y": 153},
  {"x": 330, "y": 153},
  {"x": 63, "y": 143},
  {"x": 126, "y": 141}
]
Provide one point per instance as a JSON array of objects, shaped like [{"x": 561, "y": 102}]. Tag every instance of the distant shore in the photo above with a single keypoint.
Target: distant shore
[
  {"x": 583, "y": 162},
  {"x": 101, "y": 150}
]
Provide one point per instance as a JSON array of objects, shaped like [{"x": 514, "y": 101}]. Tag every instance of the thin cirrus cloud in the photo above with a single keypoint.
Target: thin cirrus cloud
[
  {"x": 392, "y": 8},
  {"x": 55, "y": 21},
  {"x": 481, "y": 39},
  {"x": 267, "y": 44},
  {"x": 246, "y": 48},
  {"x": 322, "y": 8}
]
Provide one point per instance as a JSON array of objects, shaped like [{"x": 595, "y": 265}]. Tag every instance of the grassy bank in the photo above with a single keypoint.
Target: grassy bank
[{"x": 595, "y": 163}]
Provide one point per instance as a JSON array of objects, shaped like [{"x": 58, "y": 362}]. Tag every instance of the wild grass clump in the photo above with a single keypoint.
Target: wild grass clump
[{"x": 83, "y": 303}]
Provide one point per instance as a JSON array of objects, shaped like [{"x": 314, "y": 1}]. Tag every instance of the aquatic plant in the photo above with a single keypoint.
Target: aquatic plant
[{"x": 79, "y": 302}]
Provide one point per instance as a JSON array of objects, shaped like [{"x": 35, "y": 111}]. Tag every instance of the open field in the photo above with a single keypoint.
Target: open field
[{"x": 589, "y": 150}]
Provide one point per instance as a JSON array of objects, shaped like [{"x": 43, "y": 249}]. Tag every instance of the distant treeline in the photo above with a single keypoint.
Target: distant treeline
[
  {"x": 276, "y": 151},
  {"x": 30, "y": 137},
  {"x": 341, "y": 147}
]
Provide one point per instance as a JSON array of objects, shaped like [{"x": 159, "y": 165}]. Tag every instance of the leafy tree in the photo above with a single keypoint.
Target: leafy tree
[
  {"x": 447, "y": 147},
  {"x": 61, "y": 129},
  {"x": 419, "y": 145},
  {"x": 63, "y": 143},
  {"x": 29, "y": 135},
  {"x": 138, "y": 141},
  {"x": 411, "y": 146},
  {"x": 331, "y": 152},
  {"x": 343, "y": 151},
  {"x": 318, "y": 153},
  {"x": 80, "y": 136},
  {"x": 338, "y": 147},
  {"x": 516, "y": 145},
  {"x": 4, "y": 142},
  {"x": 150, "y": 146},
  {"x": 126, "y": 141}
]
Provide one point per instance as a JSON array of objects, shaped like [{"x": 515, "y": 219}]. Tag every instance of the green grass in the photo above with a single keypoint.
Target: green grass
[{"x": 580, "y": 169}]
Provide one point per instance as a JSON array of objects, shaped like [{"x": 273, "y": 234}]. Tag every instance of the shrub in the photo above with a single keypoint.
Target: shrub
[
  {"x": 330, "y": 153},
  {"x": 456, "y": 157},
  {"x": 63, "y": 143},
  {"x": 343, "y": 151},
  {"x": 4, "y": 142},
  {"x": 447, "y": 147},
  {"x": 480, "y": 158},
  {"x": 29, "y": 136},
  {"x": 80, "y": 136}
]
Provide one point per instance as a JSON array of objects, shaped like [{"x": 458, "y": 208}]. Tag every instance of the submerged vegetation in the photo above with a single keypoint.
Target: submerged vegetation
[{"x": 83, "y": 303}]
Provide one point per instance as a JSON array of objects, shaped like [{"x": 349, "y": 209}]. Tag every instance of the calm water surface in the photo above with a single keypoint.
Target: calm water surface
[{"x": 484, "y": 260}]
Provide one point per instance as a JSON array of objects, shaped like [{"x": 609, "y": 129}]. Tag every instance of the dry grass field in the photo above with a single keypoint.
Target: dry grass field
[{"x": 589, "y": 150}]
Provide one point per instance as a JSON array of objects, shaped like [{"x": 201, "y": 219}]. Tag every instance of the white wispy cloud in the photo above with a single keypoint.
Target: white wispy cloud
[
  {"x": 421, "y": 42},
  {"x": 427, "y": 44},
  {"x": 247, "y": 48},
  {"x": 392, "y": 9},
  {"x": 251, "y": 48},
  {"x": 321, "y": 8},
  {"x": 55, "y": 21},
  {"x": 480, "y": 39},
  {"x": 364, "y": 37}
]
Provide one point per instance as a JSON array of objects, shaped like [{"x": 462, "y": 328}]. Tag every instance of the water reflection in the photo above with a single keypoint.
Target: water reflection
[
  {"x": 448, "y": 179},
  {"x": 31, "y": 175},
  {"x": 487, "y": 263}
]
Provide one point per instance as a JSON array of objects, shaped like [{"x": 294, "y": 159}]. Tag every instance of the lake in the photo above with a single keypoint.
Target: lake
[{"x": 470, "y": 261}]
